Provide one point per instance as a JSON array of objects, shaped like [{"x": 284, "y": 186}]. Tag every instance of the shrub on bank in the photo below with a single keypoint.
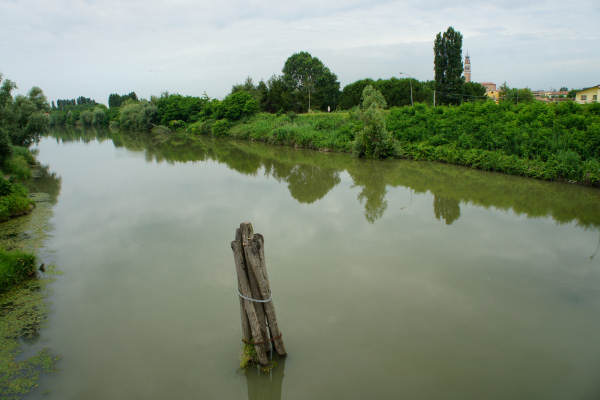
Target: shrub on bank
[
  {"x": 5, "y": 147},
  {"x": 531, "y": 131},
  {"x": 137, "y": 116},
  {"x": 15, "y": 267},
  {"x": 373, "y": 140},
  {"x": 220, "y": 128},
  {"x": 200, "y": 127},
  {"x": 14, "y": 200},
  {"x": 547, "y": 141}
]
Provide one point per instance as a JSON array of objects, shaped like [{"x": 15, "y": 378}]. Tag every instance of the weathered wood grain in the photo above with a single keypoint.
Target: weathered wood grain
[
  {"x": 248, "y": 249},
  {"x": 248, "y": 306}
]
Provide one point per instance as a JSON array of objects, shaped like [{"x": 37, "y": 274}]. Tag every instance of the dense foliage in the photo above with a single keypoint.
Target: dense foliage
[
  {"x": 137, "y": 116},
  {"x": 64, "y": 104},
  {"x": 14, "y": 200},
  {"x": 176, "y": 107},
  {"x": 563, "y": 139},
  {"x": 448, "y": 66},
  {"x": 81, "y": 111},
  {"x": 514, "y": 95},
  {"x": 395, "y": 91},
  {"x": 306, "y": 76},
  {"x": 22, "y": 118},
  {"x": 116, "y": 100},
  {"x": 15, "y": 267},
  {"x": 237, "y": 105},
  {"x": 547, "y": 141},
  {"x": 373, "y": 140}
]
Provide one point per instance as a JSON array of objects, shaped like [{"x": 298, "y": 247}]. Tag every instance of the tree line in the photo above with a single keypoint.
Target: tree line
[
  {"x": 305, "y": 84},
  {"x": 385, "y": 118},
  {"x": 23, "y": 118}
]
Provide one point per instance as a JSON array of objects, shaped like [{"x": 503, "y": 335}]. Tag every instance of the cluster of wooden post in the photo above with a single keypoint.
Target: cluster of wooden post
[{"x": 259, "y": 323}]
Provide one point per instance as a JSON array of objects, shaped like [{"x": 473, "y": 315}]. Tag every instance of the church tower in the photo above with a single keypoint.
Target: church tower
[{"x": 467, "y": 68}]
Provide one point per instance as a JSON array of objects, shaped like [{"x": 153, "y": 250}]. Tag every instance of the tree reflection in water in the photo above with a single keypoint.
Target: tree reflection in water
[
  {"x": 446, "y": 209},
  {"x": 310, "y": 175}
]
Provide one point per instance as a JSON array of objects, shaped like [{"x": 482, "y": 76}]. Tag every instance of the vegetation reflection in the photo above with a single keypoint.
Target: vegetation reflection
[{"x": 311, "y": 175}]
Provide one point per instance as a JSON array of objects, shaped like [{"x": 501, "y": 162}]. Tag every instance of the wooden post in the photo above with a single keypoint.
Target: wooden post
[{"x": 259, "y": 322}]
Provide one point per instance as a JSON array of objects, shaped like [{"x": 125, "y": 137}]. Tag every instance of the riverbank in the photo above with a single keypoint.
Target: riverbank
[
  {"x": 23, "y": 287},
  {"x": 549, "y": 141},
  {"x": 17, "y": 172},
  {"x": 544, "y": 141},
  {"x": 311, "y": 175}
]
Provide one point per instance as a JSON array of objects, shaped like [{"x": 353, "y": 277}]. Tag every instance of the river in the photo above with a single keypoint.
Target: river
[{"x": 391, "y": 279}]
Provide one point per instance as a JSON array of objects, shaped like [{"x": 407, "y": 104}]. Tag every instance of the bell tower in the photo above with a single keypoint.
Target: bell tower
[{"x": 467, "y": 68}]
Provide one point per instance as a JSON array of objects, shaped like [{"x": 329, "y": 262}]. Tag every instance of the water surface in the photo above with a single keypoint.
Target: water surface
[{"x": 391, "y": 279}]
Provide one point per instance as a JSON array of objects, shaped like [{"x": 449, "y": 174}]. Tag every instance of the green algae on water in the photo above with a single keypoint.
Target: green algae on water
[{"x": 23, "y": 310}]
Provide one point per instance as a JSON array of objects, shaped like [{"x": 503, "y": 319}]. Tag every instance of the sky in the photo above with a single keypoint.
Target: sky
[{"x": 91, "y": 48}]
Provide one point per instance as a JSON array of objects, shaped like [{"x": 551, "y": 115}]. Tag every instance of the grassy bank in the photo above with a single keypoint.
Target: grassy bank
[
  {"x": 544, "y": 141},
  {"x": 23, "y": 306},
  {"x": 16, "y": 170},
  {"x": 15, "y": 267}
]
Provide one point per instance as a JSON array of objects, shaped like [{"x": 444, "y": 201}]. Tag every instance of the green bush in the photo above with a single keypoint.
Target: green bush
[
  {"x": 238, "y": 105},
  {"x": 86, "y": 117},
  {"x": 176, "y": 107},
  {"x": 176, "y": 124},
  {"x": 220, "y": 128},
  {"x": 14, "y": 200},
  {"x": 200, "y": 127},
  {"x": 373, "y": 140},
  {"x": 292, "y": 116},
  {"x": 25, "y": 153},
  {"x": 137, "y": 116},
  {"x": 5, "y": 147},
  {"x": 58, "y": 118},
  {"x": 15, "y": 267},
  {"x": 18, "y": 167},
  {"x": 100, "y": 117}
]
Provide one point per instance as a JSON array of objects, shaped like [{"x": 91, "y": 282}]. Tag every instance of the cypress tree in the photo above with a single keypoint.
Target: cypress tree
[{"x": 448, "y": 65}]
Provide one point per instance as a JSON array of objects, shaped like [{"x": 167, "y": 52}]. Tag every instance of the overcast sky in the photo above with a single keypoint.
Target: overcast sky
[{"x": 92, "y": 48}]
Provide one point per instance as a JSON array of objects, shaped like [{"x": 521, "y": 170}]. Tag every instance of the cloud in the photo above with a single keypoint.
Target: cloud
[{"x": 93, "y": 48}]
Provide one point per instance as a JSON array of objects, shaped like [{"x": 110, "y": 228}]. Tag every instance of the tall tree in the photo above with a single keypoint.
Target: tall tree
[
  {"x": 448, "y": 66},
  {"x": 308, "y": 76},
  {"x": 278, "y": 97}
]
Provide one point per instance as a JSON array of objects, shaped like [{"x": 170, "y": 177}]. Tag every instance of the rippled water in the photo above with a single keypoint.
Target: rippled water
[{"x": 391, "y": 279}]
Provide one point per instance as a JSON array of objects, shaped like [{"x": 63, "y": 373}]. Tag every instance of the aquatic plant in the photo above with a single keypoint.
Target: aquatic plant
[
  {"x": 23, "y": 311},
  {"x": 15, "y": 267}
]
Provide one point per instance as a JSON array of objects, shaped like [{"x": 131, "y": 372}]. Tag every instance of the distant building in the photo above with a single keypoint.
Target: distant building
[
  {"x": 588, "y": 95},
  {"x": 488, "y": 86},
  {"x": 551, "y": 96},
  {"x": 491, "y": 91},
  {"x": 467, "y": 68}
]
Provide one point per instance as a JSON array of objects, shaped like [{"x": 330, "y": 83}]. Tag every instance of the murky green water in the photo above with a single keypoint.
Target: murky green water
[{"x": 391, "y": 279}]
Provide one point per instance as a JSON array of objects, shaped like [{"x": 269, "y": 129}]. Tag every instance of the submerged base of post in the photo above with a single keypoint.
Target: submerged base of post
[{"x": 260, "y": 331}]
